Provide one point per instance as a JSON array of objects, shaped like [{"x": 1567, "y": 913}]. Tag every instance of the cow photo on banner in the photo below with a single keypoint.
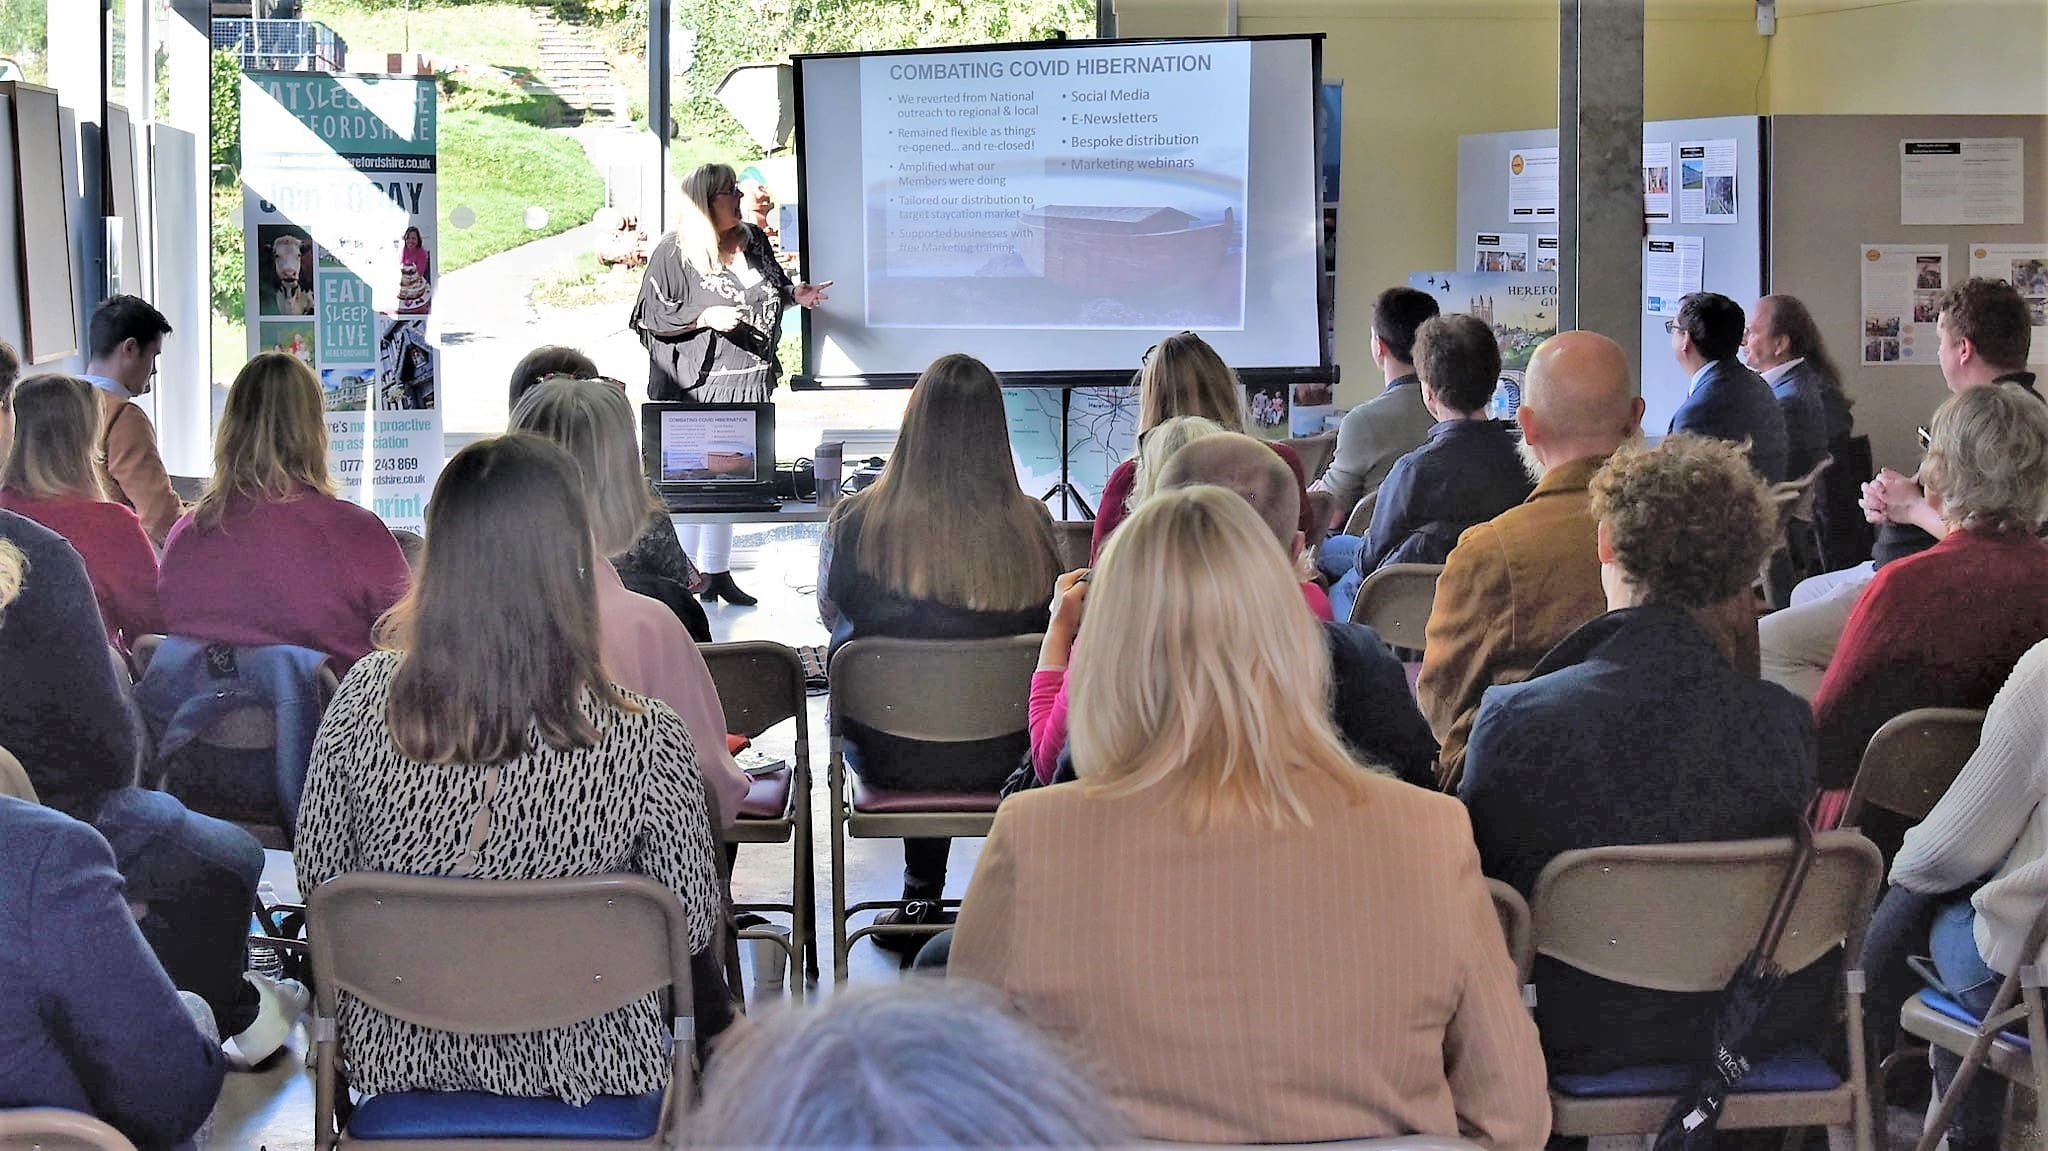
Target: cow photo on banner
[{"x": 339, "y": 210}]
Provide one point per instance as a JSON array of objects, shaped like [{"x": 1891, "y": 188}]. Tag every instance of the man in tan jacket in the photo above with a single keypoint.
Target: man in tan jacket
[
  {"x": 125, "y": 337},
  {"x": 1518, "y": 584}
]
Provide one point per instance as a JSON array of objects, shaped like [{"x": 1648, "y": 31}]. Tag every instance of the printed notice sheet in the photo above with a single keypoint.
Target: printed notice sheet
[
  {"x": 1532, "y": 184},
  {"x": 1672, "y": 267},
  {"x": 1657, "y": 182},
  {"x": 1546, "y": 253},
  {"x": 1902, "y": 285},
  {"x": 1963, "y": 181},
  {"x": 1706, "y": 182},
  {"x": 1500, "y": 252},
  {"x": 2024, "y": 266}
]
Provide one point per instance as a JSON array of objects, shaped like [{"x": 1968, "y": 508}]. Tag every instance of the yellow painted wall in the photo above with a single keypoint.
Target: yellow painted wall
[{"x": 1842, "y": 57}]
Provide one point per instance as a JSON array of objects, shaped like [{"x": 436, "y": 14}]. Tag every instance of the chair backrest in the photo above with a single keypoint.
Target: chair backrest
[
  {"x": 1804, "y": 491},
  {"x": 14, "y": 779},
  {"x": 54, "y": 1129},
  {"x": 1315, "y": 453},
  {"x": 1909, "y": 764},
  {"x": 1076, "y": 537},
  {"x": 1683, "y": 916},
  {"x": 1515, "y": 926},
  {"x": 760, "y": 684},
  {"x": 141, "y": 650},
  {"x": 937, "y": 690},
  {"x": 410, "y": 545},
  {"x": 1395, "y": 602},
  {"x": 251, "y": 728},
  {"x": 1361, "y": 513},
  {"x": 497, "y": 957}
]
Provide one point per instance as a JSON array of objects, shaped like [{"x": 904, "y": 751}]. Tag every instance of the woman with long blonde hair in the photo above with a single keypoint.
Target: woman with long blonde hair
[
  {"x": 709, "y": 314},
  {"x": 944, "y": 546},
  {"x": 269, "y": 555},
  {"x": 52, "y": 477},
  {"x": 1130, "y": 914},
  {"x": 1181, "y": 376}
]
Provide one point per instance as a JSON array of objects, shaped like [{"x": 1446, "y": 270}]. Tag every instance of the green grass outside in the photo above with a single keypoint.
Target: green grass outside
[
  {"x": 496, "y": 35},
  {"x": 497, "y": 168}
]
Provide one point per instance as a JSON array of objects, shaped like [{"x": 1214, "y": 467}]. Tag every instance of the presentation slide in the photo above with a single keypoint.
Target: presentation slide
[
  {"x": 707, "y": 447},
  {"x": 1105, "y": 194}
]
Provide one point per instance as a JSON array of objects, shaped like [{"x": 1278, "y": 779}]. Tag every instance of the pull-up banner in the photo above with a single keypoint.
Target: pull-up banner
[{"x": 338, "y": 217}]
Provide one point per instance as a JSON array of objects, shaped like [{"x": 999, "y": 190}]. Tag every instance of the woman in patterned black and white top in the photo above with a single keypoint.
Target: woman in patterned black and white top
[{"x": 491, "y": 743}]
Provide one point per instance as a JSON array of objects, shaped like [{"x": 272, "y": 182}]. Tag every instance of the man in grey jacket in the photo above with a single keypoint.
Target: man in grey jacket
[{"x": 1376, "y": 433}]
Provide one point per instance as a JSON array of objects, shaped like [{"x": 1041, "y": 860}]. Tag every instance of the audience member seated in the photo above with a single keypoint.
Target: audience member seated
[
  {"x": 50, "y": 477},
  {"x": 65, "y": 714},
  {"x": 1468, "y": 472},
  {"x": 10, "y": 371},
  {"x": 269, "y": 555},
  {"x": 944, "y": 546},
  {"x": 1944, "y": 628},
  {"x": 644, "y": 648},
  {"x": 1371, "y": 705},
  {"x": 124, "y": 340},
  {"x": 489, "y": 742},
  {"x": 1390, "y": 425},
  {"x": 1182, "y": 376},
  {"x": 88, "y": 1021},
  {"x": 1215, "y": 790},
  {"x": 919, "y": 1064},
  {"x": 1782, "y": 344},
  {"x": 1984, "y": 328},
  {"x": 1991, "y": 827},
  {"x": 1725, "y": 400},
  {"x": 656, "y": 565},
  {"x": 1517, "y": 585},
  {"x": 1638, "y": 728}
]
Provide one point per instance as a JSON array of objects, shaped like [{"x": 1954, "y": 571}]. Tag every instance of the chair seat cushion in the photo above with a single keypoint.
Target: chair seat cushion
[
  {"x": 882, "y": 801},
  {"x": 1791, "y": 1070},
  {"x": 1943, "y": 1005},
  {"x": 767, "y": 795},
  {"x": 480, "y": 1115}
]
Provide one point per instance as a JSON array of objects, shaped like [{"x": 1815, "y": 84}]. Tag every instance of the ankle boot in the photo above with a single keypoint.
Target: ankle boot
[{"x": 719, "y": 585}]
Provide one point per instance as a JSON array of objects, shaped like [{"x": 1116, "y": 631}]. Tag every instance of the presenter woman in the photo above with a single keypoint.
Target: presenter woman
[{"x": 709, "y": 310}]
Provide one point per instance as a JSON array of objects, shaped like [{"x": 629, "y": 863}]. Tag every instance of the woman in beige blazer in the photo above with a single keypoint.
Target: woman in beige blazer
[{"x": 1251, "y": 937}]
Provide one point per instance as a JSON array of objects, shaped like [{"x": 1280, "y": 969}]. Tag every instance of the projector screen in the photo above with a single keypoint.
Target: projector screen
[{"x": 1056, "y": 209}]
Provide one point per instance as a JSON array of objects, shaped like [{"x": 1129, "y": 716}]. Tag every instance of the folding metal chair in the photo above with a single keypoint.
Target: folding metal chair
[
  {"x": 1076, "y": 537},
  {"x": 14, "y": 779},
  {"x": 941, "y": 691},
  {"x": 1683, "y": 918},
  {"x": 1395, "y": 601},
  {"x": 1910, "y": 762},
  {"x": 1515, "y": 927},
  {"x": 497, "y": 957},
  {"x": 55, "y": 1129},
  {"x": 1985, "y": 1042},
  {"x": 761, "y": 685}
]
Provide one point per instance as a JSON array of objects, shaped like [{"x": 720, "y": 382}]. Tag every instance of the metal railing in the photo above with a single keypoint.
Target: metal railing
[{"x": 282, "y": 45}]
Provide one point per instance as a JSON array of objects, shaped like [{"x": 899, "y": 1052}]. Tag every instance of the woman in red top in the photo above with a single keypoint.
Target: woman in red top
[
  {"x": 52, "y": 478},
  {"x": 269, "y": 555},
  {"x": 1945, "y": 627}
]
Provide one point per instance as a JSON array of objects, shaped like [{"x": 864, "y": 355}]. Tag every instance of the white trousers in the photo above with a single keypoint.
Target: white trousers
[{"x": 709, "y": 546}]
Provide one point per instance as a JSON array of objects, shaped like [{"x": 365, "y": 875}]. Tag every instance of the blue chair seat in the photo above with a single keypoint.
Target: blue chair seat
[
  {"x": 1956, "y": 1011},
  {"x": 1795, "y": 1069},
  {"x": 480, "y": 1115}
]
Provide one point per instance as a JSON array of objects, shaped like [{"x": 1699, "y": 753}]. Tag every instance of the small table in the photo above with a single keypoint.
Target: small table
[{"x": 791, "y": 512}]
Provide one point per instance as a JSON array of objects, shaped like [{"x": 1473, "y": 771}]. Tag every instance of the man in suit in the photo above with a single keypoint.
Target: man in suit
[
  {"x": 1727, "y": 401},
  {"x": 1782, "y": 344},
  {"x": 125, "y": 337},
  {"x": 1517, "y": 584},
  {"x": 1376, "y": 433}
]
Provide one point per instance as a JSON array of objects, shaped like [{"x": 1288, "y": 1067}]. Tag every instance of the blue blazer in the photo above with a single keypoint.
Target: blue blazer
[
  {"x": 1805, "y": 408},
  {"x": 1733, "y": 403},
  {"x": 88, "y": 1021}
]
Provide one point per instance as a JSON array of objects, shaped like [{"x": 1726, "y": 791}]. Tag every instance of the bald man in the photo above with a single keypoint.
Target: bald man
[{"x": 1516, "y": 585}]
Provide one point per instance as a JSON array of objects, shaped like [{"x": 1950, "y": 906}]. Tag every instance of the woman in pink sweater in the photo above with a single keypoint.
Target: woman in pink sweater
[
  {"x": 50, "y": 477},
  {"x": 269, "y": 555}
]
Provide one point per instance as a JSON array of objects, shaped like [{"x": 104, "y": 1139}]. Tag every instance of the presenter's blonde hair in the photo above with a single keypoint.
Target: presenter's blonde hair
[
  {"x": 1158, "y": 445},
  {"x": 696, "y": 235},
  {"x": 593, "y": 422},
  {"x": 1201, "y": 670},
  {"x": 272, "y": 439},
  {"x": 1183, "y": 376},
  {"x": 947, "y": 521},
  {"x": 56, "y": 439}
]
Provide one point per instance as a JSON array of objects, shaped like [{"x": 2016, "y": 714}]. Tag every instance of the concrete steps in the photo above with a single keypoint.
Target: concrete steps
[{"x": 577, "y": 70}]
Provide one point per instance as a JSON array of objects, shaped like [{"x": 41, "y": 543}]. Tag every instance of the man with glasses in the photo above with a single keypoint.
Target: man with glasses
[
  {"x": 1725, "y": 400},
  {"x": 124, "y": 340}
]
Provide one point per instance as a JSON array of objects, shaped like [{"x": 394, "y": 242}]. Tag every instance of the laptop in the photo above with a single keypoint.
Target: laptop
[{"x": 710, "y": 457}]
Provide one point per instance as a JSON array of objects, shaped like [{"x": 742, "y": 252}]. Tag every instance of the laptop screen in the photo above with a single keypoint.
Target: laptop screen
[{"x": 695, "y": 446}]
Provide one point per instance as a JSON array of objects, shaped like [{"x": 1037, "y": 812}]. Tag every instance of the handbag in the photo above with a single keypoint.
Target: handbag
[{"x": 1744, "y": 1002}]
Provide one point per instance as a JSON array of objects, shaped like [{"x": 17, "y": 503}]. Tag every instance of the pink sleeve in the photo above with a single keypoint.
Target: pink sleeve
[
  {"x": 136, "y": 610},
  {"x": 380, "y": 570},
  {"x": 1110, "y": 512},
  {"x": 688, "y": 689},
  {"x": 1318, "y": 601},
  {"x": 1048, "y": 716}
]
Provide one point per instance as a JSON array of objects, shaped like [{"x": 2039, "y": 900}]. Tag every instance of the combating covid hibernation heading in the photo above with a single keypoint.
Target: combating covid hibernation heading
[{"x": 1050, "y": 66}]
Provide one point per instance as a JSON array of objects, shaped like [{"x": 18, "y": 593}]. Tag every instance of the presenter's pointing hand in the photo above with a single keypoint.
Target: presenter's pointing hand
[
  {"x": 811, "y": 295},
  {"x": 721, "y": 318}
]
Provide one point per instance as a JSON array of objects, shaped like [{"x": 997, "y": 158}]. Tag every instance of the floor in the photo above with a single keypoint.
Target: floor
[{"x": 272, "y": 1109}]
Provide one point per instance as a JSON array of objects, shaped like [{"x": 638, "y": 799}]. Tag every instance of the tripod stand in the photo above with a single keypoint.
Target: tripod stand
[{"x": 1065, "y": 488}]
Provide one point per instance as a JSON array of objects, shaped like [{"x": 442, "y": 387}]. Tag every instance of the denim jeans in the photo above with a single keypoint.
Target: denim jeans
[
  {"x": 1975, "y": 1122},
  {"x": 196, "y": 878},
  {"x": 1338, "y": 554},
  {"x": 1344, "y": 593}
]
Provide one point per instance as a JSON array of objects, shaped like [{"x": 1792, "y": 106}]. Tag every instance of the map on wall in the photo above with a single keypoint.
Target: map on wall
[{"x": 1102, "y": 432}]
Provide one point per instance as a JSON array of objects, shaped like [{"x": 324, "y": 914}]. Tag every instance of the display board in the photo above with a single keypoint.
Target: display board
[
  {"x": 1057, "y": 208},
  {"x": 40, "y": 197},
  {"x": 1836, "y": 192},
  {"x": 121, "y": 177},
  {"x": 180, "y": 255},
  {"x": 1713, "y": 187}
]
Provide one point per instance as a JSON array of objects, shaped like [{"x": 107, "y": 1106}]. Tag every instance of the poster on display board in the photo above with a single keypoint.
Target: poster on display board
[
  {"x": 339, "y": 210},
  {"x": 2024, "y": 266},
  {"x": 1902, "y": 286},
  {"x": 1520, "y": 307}
]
